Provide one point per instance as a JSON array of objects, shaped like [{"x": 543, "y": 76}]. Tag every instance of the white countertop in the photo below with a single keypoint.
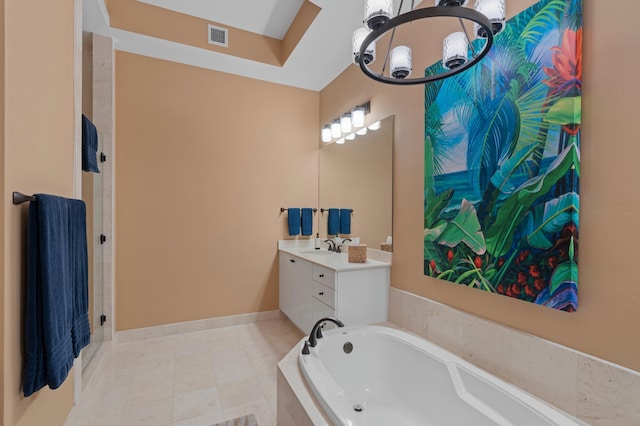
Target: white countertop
[{"x": 337, "y": 261}]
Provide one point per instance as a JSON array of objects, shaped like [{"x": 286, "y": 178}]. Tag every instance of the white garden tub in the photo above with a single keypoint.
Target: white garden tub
[{"x": 382, "y": 376}]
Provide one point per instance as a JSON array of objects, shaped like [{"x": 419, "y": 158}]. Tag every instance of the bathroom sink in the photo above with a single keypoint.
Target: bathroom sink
[{"x": 317, "y": 252}]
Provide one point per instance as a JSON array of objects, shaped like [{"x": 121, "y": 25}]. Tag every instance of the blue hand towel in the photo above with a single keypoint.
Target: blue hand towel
[
  {"x": 307, "y": 221},
  {"x": 333, "y": 222},
  {"x": 56, "y": 320},
  {"x": 345, "y": 221},
  {"x": 293, "y": 221},
  {"x": 89, "y": 146}
]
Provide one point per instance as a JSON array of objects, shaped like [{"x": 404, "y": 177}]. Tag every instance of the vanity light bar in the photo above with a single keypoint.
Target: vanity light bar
[{"x": 348, "y": 125}]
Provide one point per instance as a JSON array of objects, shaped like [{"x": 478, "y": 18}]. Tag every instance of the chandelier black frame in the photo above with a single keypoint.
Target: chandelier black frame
[{"x": 424, "y": 13}]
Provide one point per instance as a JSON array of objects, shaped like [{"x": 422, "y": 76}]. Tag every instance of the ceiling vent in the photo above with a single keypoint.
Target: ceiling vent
[{"x": 218, "y": 36}]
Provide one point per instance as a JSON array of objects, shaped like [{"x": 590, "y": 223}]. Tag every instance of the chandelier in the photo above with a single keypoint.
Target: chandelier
[{"x": 459, "y": 53}]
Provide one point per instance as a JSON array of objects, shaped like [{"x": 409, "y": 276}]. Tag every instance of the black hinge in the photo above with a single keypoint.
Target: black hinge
[
  {"x": 103, "y": 319},
  {"x": 103, "y": 157},
  {"x": 103, "y": 238}
]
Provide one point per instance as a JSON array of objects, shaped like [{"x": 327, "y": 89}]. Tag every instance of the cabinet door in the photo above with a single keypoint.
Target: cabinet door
[{"x": 295, "y": 290}]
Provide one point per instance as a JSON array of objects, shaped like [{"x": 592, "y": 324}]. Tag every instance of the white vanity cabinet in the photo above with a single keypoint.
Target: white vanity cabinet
[
  {"x": 295, "y": 293},
  {"x": 356, "y": 294}
]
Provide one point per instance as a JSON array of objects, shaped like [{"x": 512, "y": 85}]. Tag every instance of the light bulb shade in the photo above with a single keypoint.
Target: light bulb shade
[
  {"x": 345, "y": 123},
  {"x": 362, "y": 131},
  {"x": 374, "y": 126},
  {"x": 401, "y": 62},
  {"x": 451, "y": 2},
  {"x": 377, "y": 12},
  {"x": 357, "y": 117},
  {"x": 455, "y": 50},
  {"x": 340, "y": 141},
  {"x": 494, "y": 10},
  {"x": 358, "y": 37},
  {"x": 326, "y": 133},
  {"x": 350, "y": 136},
  {"x": 336, "y": 130}
]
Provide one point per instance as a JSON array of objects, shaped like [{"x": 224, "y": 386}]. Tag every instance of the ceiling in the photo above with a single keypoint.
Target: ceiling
[
  {"x": 313, "y": 58},
  {"x": 320, "y": 55}
]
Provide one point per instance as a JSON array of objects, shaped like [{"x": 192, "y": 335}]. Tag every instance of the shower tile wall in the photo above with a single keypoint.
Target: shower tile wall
[{"x": 598, "y": 392}]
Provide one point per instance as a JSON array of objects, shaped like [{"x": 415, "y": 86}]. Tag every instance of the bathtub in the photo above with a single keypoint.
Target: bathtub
[{"x": 377, "y": 375}]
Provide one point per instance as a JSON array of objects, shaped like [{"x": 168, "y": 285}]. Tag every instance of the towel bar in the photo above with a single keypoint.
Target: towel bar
[
  {"x": 326, "y": 210},
  {"x": 282, "y": 210},
  {"x": 19, "y": 198}
]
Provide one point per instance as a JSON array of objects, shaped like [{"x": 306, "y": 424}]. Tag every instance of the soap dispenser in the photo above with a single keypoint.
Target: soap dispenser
[{"x": 318, "y": 241}]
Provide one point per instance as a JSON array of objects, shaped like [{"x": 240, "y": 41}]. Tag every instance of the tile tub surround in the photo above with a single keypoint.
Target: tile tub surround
[
  {"x": 596, "y": 391},
  {"x": 197, "y": 378}
]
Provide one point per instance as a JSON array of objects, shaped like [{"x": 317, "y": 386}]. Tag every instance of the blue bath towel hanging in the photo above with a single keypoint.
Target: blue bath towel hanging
[
  {"x": 333, "y": 222},
  {"x": 293, "y": 221},
  {"x": 345, "y": 221},
  {"x": 56, "y": 325},
  {"x": 307, "y": 221},
  {"x": 89, "y": 146}
]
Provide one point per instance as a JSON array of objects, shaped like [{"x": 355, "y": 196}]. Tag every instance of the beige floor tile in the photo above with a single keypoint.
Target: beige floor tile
[
  {"x": 240, "y": 392},
  {"x": 156, "y": 413},
  {"x": 197, "y": 404},
  {"x": 233, "y": 371},
  {"x": 192, "y": 379},
  {"x": 264, "y": 415}
]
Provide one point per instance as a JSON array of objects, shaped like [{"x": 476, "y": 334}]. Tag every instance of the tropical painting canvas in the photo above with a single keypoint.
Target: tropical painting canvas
[{"x": 502, "y": 162}]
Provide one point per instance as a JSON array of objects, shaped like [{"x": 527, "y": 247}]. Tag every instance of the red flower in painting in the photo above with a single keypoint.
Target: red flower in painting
[
  {"x": 522, "y": 256},
  {"x": 529, "y": 291},
  {"x": 500, "y": 262},
  {"x": 450, "y": 255},
  {"x": 552, "y": 262},
  {"x": 534, "y": 271},
  {"x": 513, "y": 290},
  {"x": 478, "y": 262},
  {"x": 432, "y": 264},
  {"x": 500, "y": 288},
  {"x": 539, "y": 284},
  {"x": 566, "y": 74},
  {"x": 522, "y": 278}
]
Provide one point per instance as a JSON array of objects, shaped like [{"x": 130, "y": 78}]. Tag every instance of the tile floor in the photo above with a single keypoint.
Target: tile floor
[{"x": 195, "y": 379}]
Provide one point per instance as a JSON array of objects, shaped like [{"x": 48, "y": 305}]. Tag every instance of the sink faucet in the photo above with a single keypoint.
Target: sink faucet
[
  {"x": 316, "y": 333},
  {"x": 332, "y": 246},
  {"x": 339, "y": 247}
]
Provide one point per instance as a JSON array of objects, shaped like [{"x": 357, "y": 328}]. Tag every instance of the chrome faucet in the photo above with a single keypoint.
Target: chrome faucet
[{"x": 316, "y": 333}]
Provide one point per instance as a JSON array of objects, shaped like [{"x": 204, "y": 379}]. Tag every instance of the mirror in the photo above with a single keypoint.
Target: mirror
[{"x": 358, "y": 175}]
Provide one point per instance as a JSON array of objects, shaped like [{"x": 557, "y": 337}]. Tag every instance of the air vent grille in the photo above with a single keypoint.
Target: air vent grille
[{"x": 218, "y": 36}]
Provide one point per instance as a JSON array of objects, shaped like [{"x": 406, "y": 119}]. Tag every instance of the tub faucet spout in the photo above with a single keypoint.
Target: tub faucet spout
[{"x": 316, "y": 332}]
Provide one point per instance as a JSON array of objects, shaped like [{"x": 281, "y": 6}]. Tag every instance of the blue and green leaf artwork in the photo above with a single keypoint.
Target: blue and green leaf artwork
[{"x": 502, "y": 162}]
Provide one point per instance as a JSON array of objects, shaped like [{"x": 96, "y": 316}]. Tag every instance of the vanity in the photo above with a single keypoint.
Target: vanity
[{"x": 318, "y": 283}]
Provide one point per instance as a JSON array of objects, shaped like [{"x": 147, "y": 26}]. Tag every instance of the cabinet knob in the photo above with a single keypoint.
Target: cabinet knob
[
  {"x": 321, "y": 293},
  {"x": 321, "y": 275},
  {"x": 292, "y": 260}
]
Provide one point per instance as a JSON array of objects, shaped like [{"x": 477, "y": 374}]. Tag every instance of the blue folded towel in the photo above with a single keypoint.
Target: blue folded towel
[
  {"x": 293, "y": 221},
  {"x": 345, "y": 221},
  {"x": 56, "y": 324},
  {"x": 89, "y": 146},
  {"x": 333, "y": 222},
  {"x": 307, "y": 221}
]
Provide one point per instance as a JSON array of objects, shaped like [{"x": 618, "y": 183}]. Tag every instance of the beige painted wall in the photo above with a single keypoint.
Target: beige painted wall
[
  {"x": 358, "y": 175},
  {"x": 38, "y": 157},
  {"x": 204, "y": 161},
  {"x": 609, "y": 293}
]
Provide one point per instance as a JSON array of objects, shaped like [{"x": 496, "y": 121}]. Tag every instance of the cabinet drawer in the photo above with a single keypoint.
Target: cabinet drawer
[
  {"x": 321, "y": 310},
  {"x": 325, "y": 294},
  {"x": 324, "y": 275}
]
